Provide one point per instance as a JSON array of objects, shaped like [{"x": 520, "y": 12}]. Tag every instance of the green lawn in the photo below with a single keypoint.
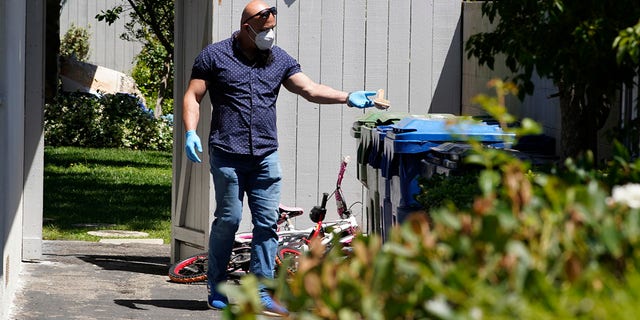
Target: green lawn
[{"x": 91, "y": 189}]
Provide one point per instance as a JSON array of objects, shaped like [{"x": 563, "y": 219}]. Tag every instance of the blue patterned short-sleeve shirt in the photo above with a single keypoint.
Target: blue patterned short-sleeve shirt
[{"x": 243, "y": 95}]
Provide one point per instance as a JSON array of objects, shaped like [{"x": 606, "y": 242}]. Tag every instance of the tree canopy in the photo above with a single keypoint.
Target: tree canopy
[
  {"x": 569, "y": 42},
  {"x": 152, "y": 24}
]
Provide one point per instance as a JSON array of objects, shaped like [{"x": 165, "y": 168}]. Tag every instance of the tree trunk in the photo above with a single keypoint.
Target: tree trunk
[
  {"x": 164, "y": 87},
  {"x": 584, "y": 110},
  {"x": 52, "y": 44},
  {"x": 574, "y": 129},
  {"x": 157, "y": 110}
]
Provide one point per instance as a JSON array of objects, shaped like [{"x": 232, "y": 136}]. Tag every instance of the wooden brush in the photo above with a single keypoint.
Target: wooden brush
[{"x": 380, "y": 101}]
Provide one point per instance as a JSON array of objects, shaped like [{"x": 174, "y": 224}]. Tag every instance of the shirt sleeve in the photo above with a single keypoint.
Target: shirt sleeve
[
  {"x": 202, "y": 65},
  {"x": 291, "y": 64}
]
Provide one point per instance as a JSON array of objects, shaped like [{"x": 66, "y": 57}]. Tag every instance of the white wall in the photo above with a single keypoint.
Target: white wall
[
  {"x": 12, "y": 65},
  {"x": 21, "y": 140},
  {"x": 34, "y": 131}
]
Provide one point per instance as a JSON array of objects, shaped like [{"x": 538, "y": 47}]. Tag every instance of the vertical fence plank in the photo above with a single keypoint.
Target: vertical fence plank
[
  {"x": 353, "y": 77},
  {"x": 398, "y": 61},
  {"x": 331, "y": 130},
  {"x": 287, "y": 38},
  {"x": 191, "y": 182},
  {"x": 65, "y": 12},
  {"x": 308, "y": 113},
  {"x": 224, "y": 21},
  {"x": 236, "y": 15},
  {"x": 420, "y": 80},
  {"x": 447, "y": 50},
  {"x": 114, "y": 55},
  {"x": 377, "y": 36},
  {"x": 101, "y": 32}
]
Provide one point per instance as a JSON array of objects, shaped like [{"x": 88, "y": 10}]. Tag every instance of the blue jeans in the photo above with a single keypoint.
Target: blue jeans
[{"x": 233, "y": 176}]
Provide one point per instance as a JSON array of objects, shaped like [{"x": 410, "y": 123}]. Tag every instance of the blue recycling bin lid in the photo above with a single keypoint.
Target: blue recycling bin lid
[{"x": 415, "y": 135}]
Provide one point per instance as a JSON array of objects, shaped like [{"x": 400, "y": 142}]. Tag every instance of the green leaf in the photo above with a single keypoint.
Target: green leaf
[
  {"x": 487, "y": 181},
  {"x": 448, "y": 219},
  {"x": 611, "y": 237},
  {"x": 110, "y": 15}
]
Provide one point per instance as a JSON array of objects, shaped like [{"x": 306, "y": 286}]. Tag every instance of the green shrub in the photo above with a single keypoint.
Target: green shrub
[
  {"x": 440, "y": 190},
  {"x": 75, "y": 43},
  {"x": 109, "y": 121},
  {"x": 537, "y": 245},
  {"x": 151, "y": 60}
]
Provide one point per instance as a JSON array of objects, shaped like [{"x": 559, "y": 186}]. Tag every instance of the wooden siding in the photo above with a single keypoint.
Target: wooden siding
[
  {"x": 106, "y": 47},
  {"x": 192, "y": 190},
  {"x": 13, "y": 109},
  {"x": 353, "y": 45}
]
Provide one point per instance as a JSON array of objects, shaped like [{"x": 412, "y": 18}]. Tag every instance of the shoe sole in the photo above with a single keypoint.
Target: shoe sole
[
  {"x": 215, "y": 308},
  {"x": 273, "y": 314}
]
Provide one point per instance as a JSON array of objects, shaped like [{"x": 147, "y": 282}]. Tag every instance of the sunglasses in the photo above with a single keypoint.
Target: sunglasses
[{"x": 264, "y": 14}]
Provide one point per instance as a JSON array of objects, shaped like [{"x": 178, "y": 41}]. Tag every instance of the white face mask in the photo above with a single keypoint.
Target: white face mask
[{"x": 264, "y": 40}]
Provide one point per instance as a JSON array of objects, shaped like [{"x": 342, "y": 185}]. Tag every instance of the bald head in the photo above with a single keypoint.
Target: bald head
[
  {"x": 257, "y": 17},
  {"x": 252, "y": 8}
]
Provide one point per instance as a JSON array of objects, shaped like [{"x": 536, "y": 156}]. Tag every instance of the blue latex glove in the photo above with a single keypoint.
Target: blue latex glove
[
  {"x": 360, "y": 99},
  {"x": 192, "y": 144}
]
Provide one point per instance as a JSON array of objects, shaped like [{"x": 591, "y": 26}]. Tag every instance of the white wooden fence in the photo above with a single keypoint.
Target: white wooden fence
[
  {"x": 106, "y": 47},
  {"x": 410, "y": 48}
]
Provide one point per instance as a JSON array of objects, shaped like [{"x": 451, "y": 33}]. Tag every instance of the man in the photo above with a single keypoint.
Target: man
[{"x": 243, "y": 75}]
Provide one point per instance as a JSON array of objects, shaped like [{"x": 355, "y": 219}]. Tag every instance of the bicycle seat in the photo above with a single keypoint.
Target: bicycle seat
[{"x": 288, "y": 212}]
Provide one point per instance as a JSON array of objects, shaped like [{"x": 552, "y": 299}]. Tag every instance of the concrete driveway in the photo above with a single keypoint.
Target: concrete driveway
[{"x": 89, "y": 280}]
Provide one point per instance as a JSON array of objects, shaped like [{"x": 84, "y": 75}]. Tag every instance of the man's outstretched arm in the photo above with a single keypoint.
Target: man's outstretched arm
[{"x": 302, "y": 85}]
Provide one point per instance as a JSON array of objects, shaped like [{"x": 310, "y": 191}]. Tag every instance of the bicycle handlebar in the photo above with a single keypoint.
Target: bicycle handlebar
[
  {"x": 325, "y": 197},
  {"x": 340, "y": 203},
  {"x": 318, "y": 212}
]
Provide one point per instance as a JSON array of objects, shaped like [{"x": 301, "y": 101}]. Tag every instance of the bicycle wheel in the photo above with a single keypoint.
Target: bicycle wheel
[
  {"x": 191, "y": 269},
  {"x": 240, "y": 259},
  {"x": 288, "y": 256},
  {"x": 293, "y": 238}
]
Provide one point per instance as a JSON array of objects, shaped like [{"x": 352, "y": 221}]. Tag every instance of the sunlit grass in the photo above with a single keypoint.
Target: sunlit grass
[{"x": 90, "y": 189}]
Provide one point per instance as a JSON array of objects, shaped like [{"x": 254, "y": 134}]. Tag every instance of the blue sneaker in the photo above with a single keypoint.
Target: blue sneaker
[
  {"x": 217, "y": 301},
  {"x": 272, "y": 308}
]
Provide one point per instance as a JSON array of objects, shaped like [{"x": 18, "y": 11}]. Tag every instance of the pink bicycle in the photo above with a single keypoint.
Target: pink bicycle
[
  {"x": 194, "y": 268},
  {"x": 291, "y": 240},
  {"x": 343, "y": 229}
]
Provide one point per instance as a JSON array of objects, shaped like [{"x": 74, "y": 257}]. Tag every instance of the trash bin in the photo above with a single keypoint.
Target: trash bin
[
  {"x": 378, "y": 184},
  {"x": 444, "y": 159},
  {"x": 367, "y": 120},
  {"x": 362, "y": 130},
  {"x": 410, "y": 141},
  {"x": 381, "y": 201}
]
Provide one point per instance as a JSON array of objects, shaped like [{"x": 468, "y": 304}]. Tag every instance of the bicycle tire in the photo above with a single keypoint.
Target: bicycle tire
[
  {"x": 240, "y": 259},
  {"x": 190, "y": 270},
  {"x": 290, "y": 255}
]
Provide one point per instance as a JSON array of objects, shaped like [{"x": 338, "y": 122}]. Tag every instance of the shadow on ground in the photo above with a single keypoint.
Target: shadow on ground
[
  {"x": 139, "y": 264},
  {"x": 194, "y": 305}
]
